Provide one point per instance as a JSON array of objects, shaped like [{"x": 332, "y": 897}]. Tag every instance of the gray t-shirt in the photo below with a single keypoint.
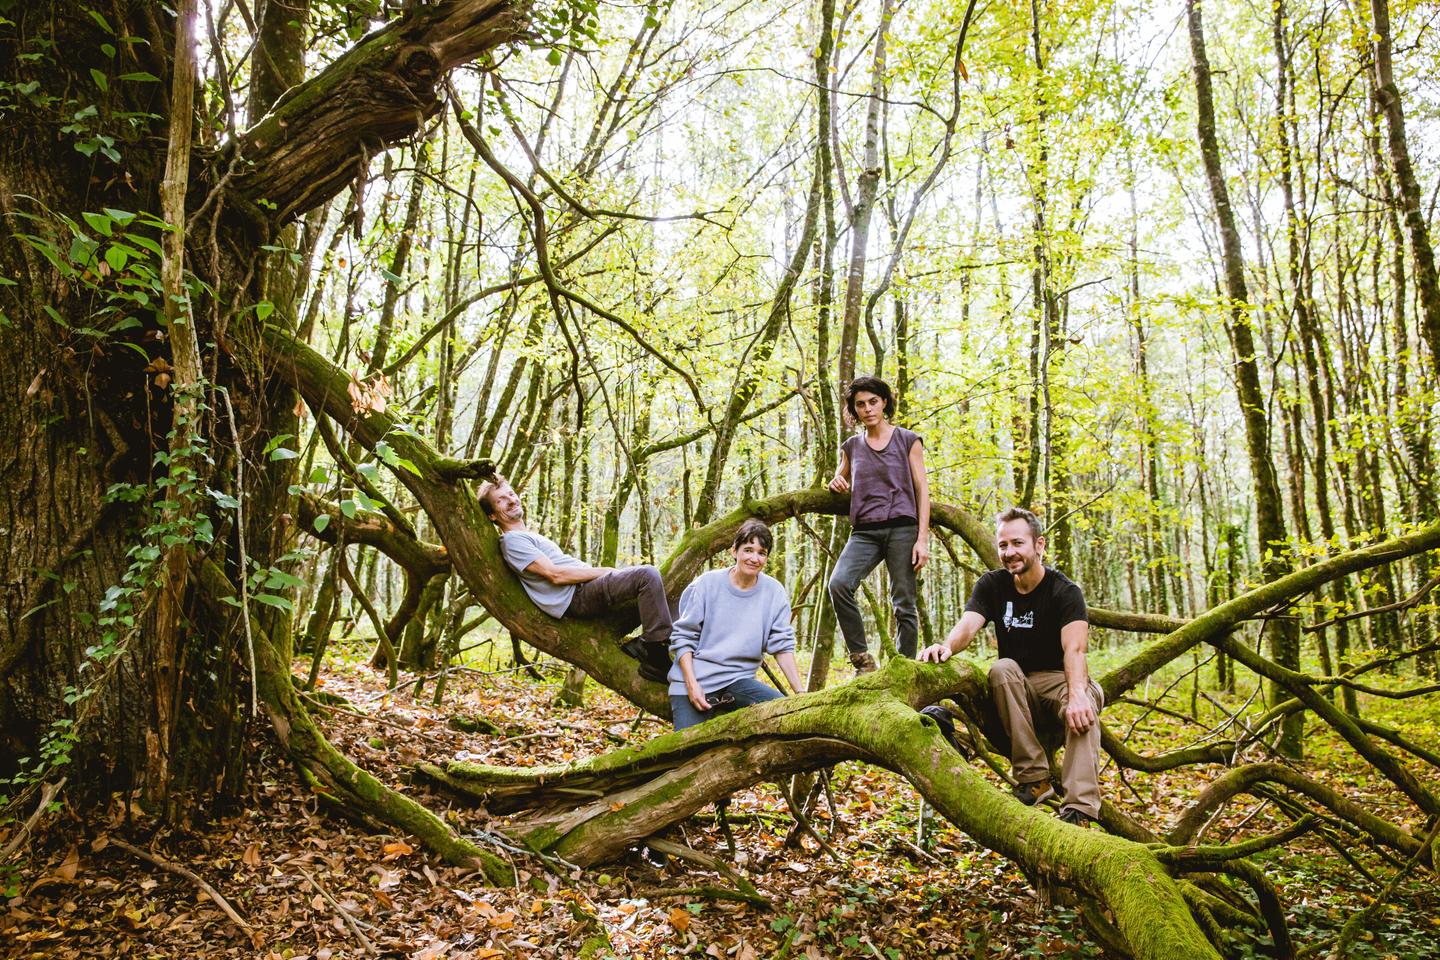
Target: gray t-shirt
[
  {"x": 728, "y": 630},
  {"x": 882, "y": 488},
  {"x": 522, "y": 548}
]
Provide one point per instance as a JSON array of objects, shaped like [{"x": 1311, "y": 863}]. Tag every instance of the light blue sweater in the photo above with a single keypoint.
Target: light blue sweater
[{"x": 728, "y": 630}]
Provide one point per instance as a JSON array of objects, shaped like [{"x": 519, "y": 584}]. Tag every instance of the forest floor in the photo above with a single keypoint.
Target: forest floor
[{"x": 312, "y": 885}]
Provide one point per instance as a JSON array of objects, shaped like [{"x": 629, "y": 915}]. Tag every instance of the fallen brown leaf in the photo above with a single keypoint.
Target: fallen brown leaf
[{"x": 69, "y": 866}]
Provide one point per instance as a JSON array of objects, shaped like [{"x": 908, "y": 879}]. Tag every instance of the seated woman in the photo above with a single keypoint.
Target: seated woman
[{"x": 729, "y": 619}]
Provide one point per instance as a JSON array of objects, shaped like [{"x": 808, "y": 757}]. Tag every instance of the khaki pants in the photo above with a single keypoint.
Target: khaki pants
[{"x": 1041, "y": 697}]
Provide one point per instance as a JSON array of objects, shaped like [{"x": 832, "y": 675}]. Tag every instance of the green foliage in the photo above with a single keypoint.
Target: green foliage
[{"x": 115, "y": 258}]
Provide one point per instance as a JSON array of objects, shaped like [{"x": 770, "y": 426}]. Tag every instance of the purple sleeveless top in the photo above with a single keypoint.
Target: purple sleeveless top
[{"x": 882, "y": 490}]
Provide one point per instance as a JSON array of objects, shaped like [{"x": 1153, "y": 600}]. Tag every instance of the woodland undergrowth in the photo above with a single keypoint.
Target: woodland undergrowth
[{"x": 312, "y": 885}]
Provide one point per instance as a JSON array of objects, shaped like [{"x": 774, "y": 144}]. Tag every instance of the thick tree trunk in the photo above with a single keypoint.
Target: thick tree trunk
[
  {"x": 80, "y": 415},
  {"x": 86, "y": 400}
]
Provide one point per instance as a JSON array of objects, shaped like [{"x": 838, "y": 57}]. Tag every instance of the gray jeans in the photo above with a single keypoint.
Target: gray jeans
[
  {"x": 863, "y": 553},
  {"x": 636, "y": 589}
]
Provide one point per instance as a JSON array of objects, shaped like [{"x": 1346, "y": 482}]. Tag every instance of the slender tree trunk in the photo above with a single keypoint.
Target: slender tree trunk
[
  {"x": 1269, "y": 505},
  {"x": 866, "y": 188},
  {"x": 1422, "y": 255}
]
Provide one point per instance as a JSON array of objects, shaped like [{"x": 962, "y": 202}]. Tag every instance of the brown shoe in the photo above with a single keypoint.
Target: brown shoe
[
  {"x": 1032, "y": 793},
  {"x": 1077, "y": 818},
  {"x": 863, "y": 662}
]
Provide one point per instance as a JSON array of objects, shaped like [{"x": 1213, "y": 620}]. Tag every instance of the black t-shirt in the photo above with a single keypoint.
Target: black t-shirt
[{"x": 1027, "y": 625}]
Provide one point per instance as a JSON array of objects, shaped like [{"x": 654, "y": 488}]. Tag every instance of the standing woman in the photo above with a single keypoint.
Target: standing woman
[
  {"x": 729, "y": 619},
  {"x": 883, "y": 469}
]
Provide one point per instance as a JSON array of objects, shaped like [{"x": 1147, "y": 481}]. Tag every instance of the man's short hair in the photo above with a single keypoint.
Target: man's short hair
[
  {"x": 873, "y": 385},
  {"x": 486, "y": 489},
  {"x": 1037, "y": 530},
  {"x": 757, "y": 530}
]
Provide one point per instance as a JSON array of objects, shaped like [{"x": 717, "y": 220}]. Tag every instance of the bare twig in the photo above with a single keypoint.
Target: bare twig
[
  {"x": 47, "y": 794},
  {"x": 710, "y": 863},
  {"x": 350, "y": 921},
  {"x": 1405, "y": 604},
  {"x": 194, "y": 878}
]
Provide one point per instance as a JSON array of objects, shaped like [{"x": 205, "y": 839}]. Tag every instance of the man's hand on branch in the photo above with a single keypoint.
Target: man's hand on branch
[
  {"x": 935, "y": 653},
  {"x": 839, "y": 484}
]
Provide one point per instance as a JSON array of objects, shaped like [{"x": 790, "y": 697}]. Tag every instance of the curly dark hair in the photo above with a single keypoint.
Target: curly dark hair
[{"x": 873, "y": 385}]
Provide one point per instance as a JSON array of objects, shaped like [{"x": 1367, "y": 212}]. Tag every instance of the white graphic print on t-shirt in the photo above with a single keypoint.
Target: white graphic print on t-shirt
[{"x": 1013, "y": 622}]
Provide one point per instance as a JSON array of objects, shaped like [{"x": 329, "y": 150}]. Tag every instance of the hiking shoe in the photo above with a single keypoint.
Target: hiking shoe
[
  {"x": 863, "y": 662},
  {"x": 1032, "y": 793},
  {"x": 1076, "y": 818},
  {"x": 945, "y": 720},
  {"x": 654, "y": 659}
]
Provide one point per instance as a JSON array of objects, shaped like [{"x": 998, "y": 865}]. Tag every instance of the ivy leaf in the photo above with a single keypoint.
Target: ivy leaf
[
  {"x": 269, "y": 599},
  {"x": 276, "y": 441},
  {"x": 321, "y": 522}
]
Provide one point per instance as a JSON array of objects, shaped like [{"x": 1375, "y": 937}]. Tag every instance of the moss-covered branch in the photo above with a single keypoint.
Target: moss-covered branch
[
  {"x": 470, "y": 539},
  {"x": 1245, "y": 779},
  {"x": 320, "y": 134},
  {"x": 373, "y": 529},
  {"x": 331, "y": 773},
  {"x": 1218, "y": 621},
  {"x": 602, "y": 805},
  {"x": 689, "y": 557}
]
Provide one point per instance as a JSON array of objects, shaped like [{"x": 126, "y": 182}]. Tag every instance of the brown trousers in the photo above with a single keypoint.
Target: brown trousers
[
  {"x": 1023, "y": 700},
  {"x": 627, "y": 591}
]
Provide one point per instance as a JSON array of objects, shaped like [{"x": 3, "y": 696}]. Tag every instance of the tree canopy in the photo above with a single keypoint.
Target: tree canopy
[{"x": 282, "y": 282}]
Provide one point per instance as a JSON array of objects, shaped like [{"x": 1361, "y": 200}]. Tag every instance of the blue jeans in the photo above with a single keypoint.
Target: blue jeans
[
  {"x": 747, "y": 691},
  {"x": 863, "y": 553}
]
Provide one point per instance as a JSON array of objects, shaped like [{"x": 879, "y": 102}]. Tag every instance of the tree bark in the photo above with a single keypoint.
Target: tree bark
[
  {"x": 1269, "y": 505},
  {"x": 66, "y": 545},
  {"x": 1422, "y": 254}
]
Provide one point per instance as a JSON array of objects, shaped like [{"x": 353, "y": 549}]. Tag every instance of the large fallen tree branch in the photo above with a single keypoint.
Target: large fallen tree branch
[{"x": 593, "y": 810}]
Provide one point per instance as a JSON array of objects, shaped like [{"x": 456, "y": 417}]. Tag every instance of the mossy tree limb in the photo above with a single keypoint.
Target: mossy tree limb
[
  {"x": 470, "y": 539},
  {"x": 872, "y": 718},
  {"x": 329, "y": 772},
  {"x": 1221, "y": 619},
  {"x": 318, "y": 137}
]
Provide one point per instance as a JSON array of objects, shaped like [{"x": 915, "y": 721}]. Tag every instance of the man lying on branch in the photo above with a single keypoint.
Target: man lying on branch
[{"x": 563, "y": 586}]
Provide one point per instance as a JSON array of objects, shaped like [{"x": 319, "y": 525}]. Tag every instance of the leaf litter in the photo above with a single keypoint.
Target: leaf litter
[{"x": 314, "y": 886}]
